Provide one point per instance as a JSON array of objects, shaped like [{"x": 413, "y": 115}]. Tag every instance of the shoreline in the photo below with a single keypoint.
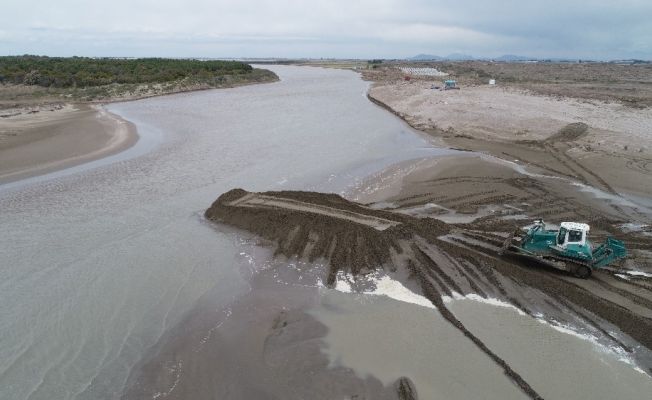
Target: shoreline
[
  {"x": 231, "y": 85},
  {"x": 71, "y": 136}
]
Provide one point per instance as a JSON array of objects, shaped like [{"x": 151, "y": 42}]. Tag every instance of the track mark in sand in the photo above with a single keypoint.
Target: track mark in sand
[
  {"x": 632, "y": 282},
  {"x": 580, "y": 171},
  {"x": 554, "y": 153},
  {"x": 539, "y": 165},
  {"x": 597, "y": 177},
  {"x": 256, "y": 200},
  {"x": 594, "y": 324},
  {"x": 640, "y": 300},
  {"x": 431, "y": 292},
  {"x": 640, "y": 165}
]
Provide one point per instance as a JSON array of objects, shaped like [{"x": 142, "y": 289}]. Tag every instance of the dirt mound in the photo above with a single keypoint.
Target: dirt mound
[
  {"x": 349, "y": 245},
  {"x": 570, "y": 132},
  {"x": 406, "y": 390}
]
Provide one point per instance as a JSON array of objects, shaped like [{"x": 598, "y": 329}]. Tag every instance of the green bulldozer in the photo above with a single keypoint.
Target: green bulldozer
[{"x": 566, "y": 248}]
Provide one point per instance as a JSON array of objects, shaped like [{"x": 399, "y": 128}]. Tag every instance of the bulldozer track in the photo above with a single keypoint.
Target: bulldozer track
[
  {"x": 587, "y": 171},
  {"x": 256, "y": 200},
  {"x": 640, "y": 165},
  {"x": 543, "y": 167},
  {"x": 625, "y": 293},
  {"x": 574, "y": 173}
]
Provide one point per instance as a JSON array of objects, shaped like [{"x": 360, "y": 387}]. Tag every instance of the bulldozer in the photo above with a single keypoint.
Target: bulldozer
[{"x": 567, "y": 248}]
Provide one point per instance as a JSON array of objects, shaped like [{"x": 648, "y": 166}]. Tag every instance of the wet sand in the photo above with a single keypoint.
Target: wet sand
[{"x": 43, "y": 139}]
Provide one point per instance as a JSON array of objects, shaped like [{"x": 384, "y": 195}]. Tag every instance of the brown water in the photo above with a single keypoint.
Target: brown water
[{"x": 385, "y": 338}]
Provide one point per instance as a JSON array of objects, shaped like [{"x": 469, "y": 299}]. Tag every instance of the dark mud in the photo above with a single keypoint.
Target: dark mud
[
  {"x": 349, "y": 246},
  {"x": 570, "y": 132}
]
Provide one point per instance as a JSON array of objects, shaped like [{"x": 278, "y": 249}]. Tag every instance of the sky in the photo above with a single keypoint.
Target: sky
[{"x": 596, "y": 29}]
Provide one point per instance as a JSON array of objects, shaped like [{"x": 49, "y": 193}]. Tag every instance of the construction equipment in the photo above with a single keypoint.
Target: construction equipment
[
  {"x": 450, "y": 85},
  {"x": 567, "y": 248}
]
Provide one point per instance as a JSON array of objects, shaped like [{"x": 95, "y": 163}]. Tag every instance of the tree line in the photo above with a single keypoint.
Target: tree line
[{"x": 67, "y": 72}]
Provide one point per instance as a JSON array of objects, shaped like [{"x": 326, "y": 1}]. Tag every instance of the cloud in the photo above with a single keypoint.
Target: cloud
[{"x": 337, "y": 28}]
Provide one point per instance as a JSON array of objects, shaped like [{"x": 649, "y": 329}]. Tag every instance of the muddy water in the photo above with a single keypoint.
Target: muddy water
[
  {"x": 98, "y": 262},
  {"x": 415, "y": 341},
  {"x": 558, "y": 363},
  {"x": 387, "y": 339}
]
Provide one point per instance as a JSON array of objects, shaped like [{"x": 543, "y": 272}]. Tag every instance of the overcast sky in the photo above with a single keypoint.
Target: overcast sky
[{"x": 597, "y": 29}]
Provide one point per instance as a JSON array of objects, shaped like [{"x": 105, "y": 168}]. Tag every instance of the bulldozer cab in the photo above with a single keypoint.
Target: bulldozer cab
[{"x": 572, "y": 233}]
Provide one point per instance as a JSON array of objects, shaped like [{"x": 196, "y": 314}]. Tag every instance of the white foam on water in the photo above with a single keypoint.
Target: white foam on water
[
  {"x": 494, "y": 302},
  {"x": 633, "y": 227},
  {"x": 394, "y": 289},
  {"x": 638, "y": 273},
  {"x": 343, "y": 286},
  {"x": 383, "y": 286},
  {"x": 386, "y": 286},
  {"x": 567, "y": 329},
  {"x": 486, "y": 300},
  {"x": 619, "y": 352}
]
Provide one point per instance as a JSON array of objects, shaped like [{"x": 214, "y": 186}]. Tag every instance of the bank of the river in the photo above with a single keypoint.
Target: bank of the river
[
  {"x": 54, "y": 138},
  {"x": 41, "y": 133},
  {"x": 600, "y": 142}
]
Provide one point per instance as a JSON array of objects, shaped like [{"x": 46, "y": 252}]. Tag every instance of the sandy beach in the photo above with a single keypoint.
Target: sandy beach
[{"x": 41, "y": 139}]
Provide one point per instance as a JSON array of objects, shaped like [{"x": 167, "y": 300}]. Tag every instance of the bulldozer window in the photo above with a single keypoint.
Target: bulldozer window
[
  {"x": 561, "y": 237},
  {"x": 574, "y": 236}
]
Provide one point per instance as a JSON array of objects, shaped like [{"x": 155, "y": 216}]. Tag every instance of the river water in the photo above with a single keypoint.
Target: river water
[{"x": 97, "y": 263}]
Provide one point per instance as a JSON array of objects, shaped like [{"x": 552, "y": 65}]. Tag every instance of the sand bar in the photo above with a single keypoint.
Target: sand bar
[{"x": 44, "y": 139}]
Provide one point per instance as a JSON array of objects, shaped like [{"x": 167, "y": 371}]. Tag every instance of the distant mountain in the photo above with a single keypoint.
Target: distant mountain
[
  {"x": 512, "y": 58},
  {"x": 467, "y": 57},
  {"x": 459, "y": 57},
  {"x": 450, "y": 57},
  {"x": 425, "y": 57}
]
